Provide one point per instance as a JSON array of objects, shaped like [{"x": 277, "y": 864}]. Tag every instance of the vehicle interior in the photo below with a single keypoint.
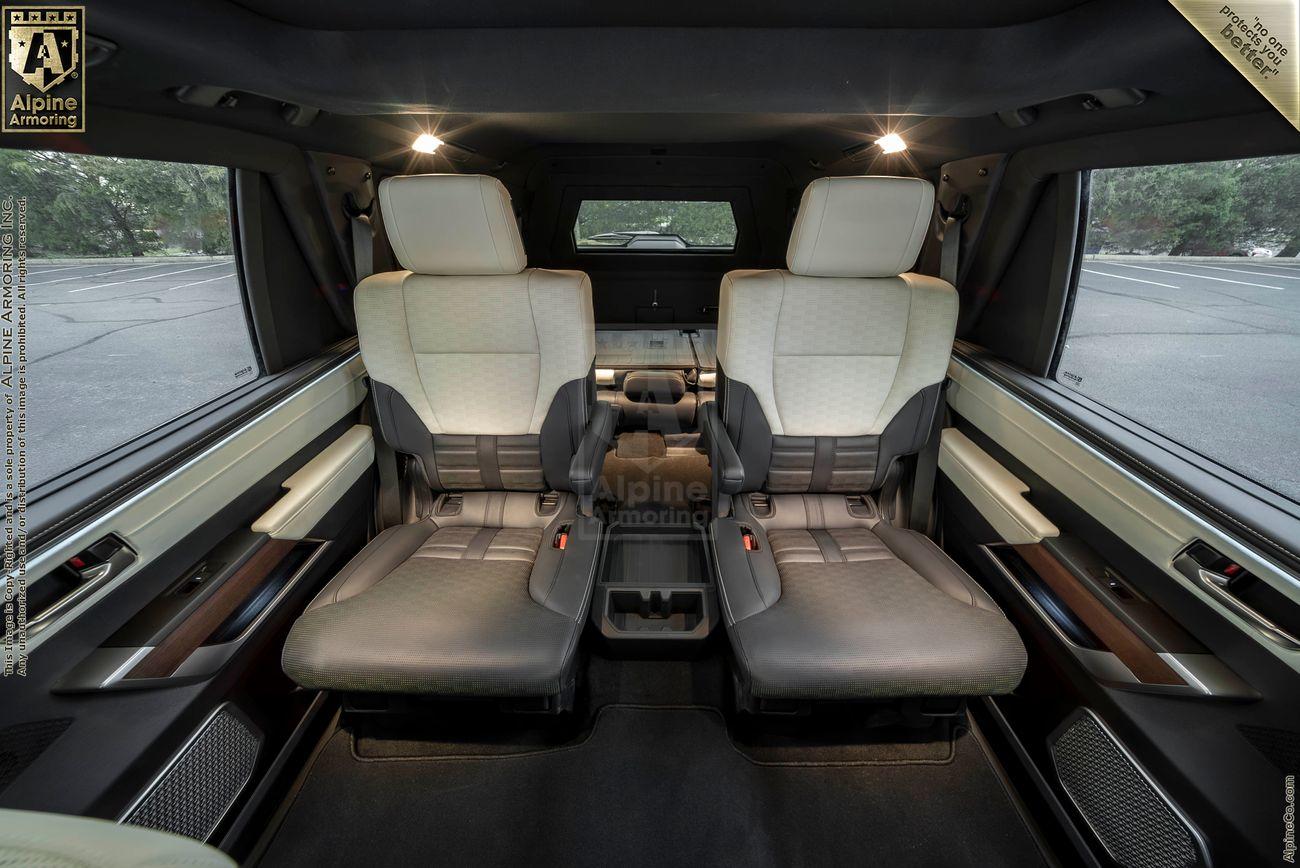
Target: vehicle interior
[{"x": 658, "y": 435}]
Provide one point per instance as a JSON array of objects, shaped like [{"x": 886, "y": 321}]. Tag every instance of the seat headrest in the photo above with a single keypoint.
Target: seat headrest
[
  {"x": 860, "y": 226},
  {"x": 451, "y": 224}
]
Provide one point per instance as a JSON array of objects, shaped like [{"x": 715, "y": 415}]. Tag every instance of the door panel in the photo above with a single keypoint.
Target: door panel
[
  {"x": 1200, "y": 703},
  {"x": 177, "y": 647}
]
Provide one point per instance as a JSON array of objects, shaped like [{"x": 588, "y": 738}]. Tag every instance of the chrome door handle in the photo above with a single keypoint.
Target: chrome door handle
[{"x": 1220, "y": 586}]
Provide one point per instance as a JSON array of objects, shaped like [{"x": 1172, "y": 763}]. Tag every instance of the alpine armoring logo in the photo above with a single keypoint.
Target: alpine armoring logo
[{"x": 44, "y": 88}]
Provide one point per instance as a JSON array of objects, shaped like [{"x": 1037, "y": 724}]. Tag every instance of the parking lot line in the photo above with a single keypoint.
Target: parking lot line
[
  {"x": 1240, "y": 270},
  {"x": 147, "y": 277},
  {"x": 197, "y": 282},
  {"x": 97, "y": 274},
  {"x": 1196, "y": 276},
  {"x": 1134, "y": 279},
  {"x": 41, "y": 269}
]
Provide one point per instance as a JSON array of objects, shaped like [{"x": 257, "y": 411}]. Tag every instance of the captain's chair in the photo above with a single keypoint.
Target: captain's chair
[
  {"x": 482, "y": 370},
  {"x": 829, "y": 373}
]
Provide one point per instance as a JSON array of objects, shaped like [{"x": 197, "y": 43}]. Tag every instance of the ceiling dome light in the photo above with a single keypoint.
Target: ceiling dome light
[
  {"x": 891, "y": 144},
  {"x": 426, "y": 143}
]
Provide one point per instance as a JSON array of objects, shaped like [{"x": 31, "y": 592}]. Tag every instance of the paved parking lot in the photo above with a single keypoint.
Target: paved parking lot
[
  {"x": 116, "y": 349},
  {"x": 1206, "y": 353}
]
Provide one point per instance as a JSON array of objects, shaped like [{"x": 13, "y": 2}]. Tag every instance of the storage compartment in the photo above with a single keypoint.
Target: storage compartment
[
  {"x": 656, "y": 611},
  {"x": 653, "y": 555},
  {"x": 655, "y": 594}
]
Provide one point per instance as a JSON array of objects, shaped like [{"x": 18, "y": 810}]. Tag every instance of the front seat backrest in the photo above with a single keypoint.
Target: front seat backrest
[
  {"x": 481, "y": 367},
  {"x": 831, "y": 369}
]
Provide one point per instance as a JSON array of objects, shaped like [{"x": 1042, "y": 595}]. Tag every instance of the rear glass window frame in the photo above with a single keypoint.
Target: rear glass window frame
[
  {"x": 692, "y": 250},
  {"x": 563, "y": 245}
]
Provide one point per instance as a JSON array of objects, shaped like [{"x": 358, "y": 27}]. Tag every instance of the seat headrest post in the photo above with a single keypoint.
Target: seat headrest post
[
  {"x": 860, "y": 226},
  {"x": 452, "y": 224}
]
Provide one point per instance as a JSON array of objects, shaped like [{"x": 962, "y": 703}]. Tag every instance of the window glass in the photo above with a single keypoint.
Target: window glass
[
  {"x": 655, "y": 226},
  {"x": 134, "y": 309},
  {"x": 1187, "y": 313}
]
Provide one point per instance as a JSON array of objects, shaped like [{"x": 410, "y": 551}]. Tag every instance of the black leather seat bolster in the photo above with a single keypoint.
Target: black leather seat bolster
[
  {"x": 729, "y": 473},
  {"x": 752, "y": 582},
  {"x": 589, "y": 459}
]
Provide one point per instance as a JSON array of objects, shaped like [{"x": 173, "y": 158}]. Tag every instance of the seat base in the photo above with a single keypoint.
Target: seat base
[
  {"x": 478, "y": 604},
  {"x": 834, "y": 605}
]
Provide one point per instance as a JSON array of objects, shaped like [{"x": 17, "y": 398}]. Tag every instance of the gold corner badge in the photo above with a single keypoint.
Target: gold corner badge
[
  {"x": 1260, "y": 38},
  {"x": 44, "y": 83}
]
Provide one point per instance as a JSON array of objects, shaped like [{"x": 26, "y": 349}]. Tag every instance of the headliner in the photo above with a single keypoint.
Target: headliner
[{"x": 674, "y": 72}]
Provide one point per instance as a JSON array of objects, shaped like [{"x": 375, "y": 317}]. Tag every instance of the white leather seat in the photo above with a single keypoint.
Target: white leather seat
[
  {"x": 482, "y": 370},
  {"x": 830, "y": 373},
  {"x": 30, "y": 839}
]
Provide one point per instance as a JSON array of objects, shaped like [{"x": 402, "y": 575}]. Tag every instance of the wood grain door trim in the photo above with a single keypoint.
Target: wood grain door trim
[
  {"x": 1141, "y": 659},
  {"x": 189, "y": 635}
]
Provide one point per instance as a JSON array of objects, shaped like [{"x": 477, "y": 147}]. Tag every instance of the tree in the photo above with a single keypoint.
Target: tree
[
  {"x": 84, "y": 205},
  {"x": 1214, "y": 209}
]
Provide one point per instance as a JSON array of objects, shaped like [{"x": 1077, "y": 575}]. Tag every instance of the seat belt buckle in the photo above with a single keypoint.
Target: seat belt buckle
[{"x": 749, "y": 539}]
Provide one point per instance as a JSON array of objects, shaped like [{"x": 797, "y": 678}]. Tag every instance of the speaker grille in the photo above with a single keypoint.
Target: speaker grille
[
  {"x": 1133, "y": 820},
  {"x": 197, "y": 789}
]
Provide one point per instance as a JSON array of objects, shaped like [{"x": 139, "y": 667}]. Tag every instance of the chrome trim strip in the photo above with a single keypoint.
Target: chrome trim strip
[{"x": 1205, "y": 675}]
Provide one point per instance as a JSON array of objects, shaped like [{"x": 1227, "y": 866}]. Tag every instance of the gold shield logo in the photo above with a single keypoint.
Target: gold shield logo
[
  {"x": 45, "y": 54},
  {"x": 43, "y": 86}
]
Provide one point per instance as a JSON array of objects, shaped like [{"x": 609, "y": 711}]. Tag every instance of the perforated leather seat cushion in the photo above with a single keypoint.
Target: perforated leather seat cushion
[{"x": 455, "y": 617}]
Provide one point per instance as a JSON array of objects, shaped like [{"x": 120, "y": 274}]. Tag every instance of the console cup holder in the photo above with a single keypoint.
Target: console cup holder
[{"x": 653, "y": 610}]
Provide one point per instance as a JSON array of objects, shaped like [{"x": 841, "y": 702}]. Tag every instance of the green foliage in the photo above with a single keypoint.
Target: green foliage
[
  {"x": 1208, "y": 209},
  {"x": 698, "y": 223},
  {"x": 82, "y": 205}
]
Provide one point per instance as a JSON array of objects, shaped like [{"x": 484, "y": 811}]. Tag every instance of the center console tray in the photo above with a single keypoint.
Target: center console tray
[{"x": 655, "y": 590}]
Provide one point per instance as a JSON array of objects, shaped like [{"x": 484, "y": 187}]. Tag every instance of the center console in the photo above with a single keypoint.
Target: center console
[{"x": 655, "y": 590}]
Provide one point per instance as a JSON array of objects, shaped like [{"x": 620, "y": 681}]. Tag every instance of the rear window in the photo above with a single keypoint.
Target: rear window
[
  {"x": 655, "y": 226},
  {"x": 1186, "y": 317},
  {"x": 135, "y": 313}
]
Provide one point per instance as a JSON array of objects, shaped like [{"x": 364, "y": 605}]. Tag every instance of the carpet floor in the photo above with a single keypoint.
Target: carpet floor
[{"x": 655, "y": 785}]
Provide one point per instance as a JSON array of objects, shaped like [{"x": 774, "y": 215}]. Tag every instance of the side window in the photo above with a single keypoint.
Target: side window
[
  {"x": 135, "y": 313},
  {"x": 1187, "y": 313}
]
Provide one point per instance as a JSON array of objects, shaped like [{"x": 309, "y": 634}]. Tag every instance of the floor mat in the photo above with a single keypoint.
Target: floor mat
[{"x": 649, "y": 786}]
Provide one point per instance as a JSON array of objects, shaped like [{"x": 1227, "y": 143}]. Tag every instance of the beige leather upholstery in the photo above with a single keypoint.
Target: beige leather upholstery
[
  {"x": 315, "y": 487},
  {"x": 30, "y": 839},
  {"x": 863, "y": 226},
  {"x": 475, "y": 342},
  {"x": 995, "y": 491},
  {"x": 452, "y": 224},
  {"x": 480, "y": 374},
  {"x": 837, "y": 345},
  {"x": 829, "y": 372}
]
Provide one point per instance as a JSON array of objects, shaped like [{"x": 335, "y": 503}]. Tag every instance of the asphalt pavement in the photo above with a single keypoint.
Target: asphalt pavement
[
  {"x": 1206, "y": 353},
  {"x": 116, "y": 349}
]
